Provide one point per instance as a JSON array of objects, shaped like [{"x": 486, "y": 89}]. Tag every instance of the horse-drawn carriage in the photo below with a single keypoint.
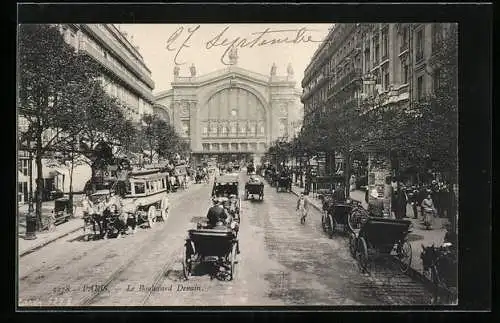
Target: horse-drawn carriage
[
  {"x": 251, "y": 169},
  {"x": 284, "y": 181},
  {"x": 254, "y": 187},
  {"x": 61, "y": 210},
  {"x": 217, "y": 247},
  {"x": 139, "y": 199},
  {"x": 344, "y": 214},
  {"x": 227, "y": 187},
  {"x": 380, "y": 237}
]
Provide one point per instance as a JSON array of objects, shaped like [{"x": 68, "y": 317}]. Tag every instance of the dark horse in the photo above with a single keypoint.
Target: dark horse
[{"x": 441, "y": 263}]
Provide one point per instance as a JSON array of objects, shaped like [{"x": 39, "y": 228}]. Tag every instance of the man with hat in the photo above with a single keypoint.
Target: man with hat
[{"x": 216, "y": 214}]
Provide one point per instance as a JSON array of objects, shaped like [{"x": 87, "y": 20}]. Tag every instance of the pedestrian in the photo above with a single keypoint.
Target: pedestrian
[
  {"x": 443, "y": 199},
  {"x": 435, "y": 196},
  {"x": 401, "y": 201},
  {"x": 352, "y": 183},
  {"x": 87, "y": 209},
  {"x": 422, "y": 193},
  {"x": 340, "y": 193},
  {"x": 429, "y": 210},
  {"x": 413, "y": 200},
  {"x": 303, "y": 207}
]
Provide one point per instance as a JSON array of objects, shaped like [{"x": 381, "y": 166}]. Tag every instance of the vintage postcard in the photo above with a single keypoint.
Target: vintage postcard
[{"x": 237, "y": 164}]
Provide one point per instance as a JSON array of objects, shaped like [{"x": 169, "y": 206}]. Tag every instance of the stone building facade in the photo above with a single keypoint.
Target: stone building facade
[
  {"x": 125, "y": 76},
  {"x": 232, "y": 113}
]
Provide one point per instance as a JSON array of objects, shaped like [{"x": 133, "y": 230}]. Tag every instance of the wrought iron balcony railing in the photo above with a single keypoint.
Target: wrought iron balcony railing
[{"x": 345, "y": 81}]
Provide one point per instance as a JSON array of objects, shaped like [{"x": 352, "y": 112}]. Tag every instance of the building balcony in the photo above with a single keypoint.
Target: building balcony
[
  {"x": 308, "y": 93},
  {"x": 419, "y": 57},
  {"x": 345, "y": 81},
  {"x": 404, "y": 47},
  {"x": 136, "y": 86},
  {"x": 102, "y": 35}
]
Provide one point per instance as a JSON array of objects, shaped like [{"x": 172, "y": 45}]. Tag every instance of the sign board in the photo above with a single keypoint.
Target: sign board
[{"x": 376, "y": 190}]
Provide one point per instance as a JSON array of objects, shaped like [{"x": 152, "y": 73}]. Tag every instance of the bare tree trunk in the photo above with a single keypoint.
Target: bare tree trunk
[
  {"x": 39, "y": 185},
  {"x": 347, "y": 173},
  {"x": 70, "y": 206}
]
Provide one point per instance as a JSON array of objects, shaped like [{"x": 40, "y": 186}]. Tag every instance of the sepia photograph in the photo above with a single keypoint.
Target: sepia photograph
[{"x": 243, "y": 164}]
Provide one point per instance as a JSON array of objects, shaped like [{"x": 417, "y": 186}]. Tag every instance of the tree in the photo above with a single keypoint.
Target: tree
[
  {"x": 424, "y": 133},
  {"x": 53, "y": 81},
  {"x": 437, "y": 121}
]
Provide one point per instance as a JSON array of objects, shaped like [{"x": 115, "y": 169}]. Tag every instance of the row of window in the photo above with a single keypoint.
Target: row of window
[
  {"x": 147, "y": 186},
  {"x": 113, "y": 61},
  {"x": 382, "y": 74},
  {"x": 253, "y": 146},
  {"x": 125, "y": 96},
  {"x": 373, "y": 55},
  {"x": 233, "y": 130},
  {"x": 132, "y": 57}
]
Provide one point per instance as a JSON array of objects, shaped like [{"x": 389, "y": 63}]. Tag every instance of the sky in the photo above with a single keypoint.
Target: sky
[{"x": 165, "y": 45}]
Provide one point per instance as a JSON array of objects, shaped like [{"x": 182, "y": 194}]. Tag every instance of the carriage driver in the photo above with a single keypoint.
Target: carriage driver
[{"x": 217, "y": 214}]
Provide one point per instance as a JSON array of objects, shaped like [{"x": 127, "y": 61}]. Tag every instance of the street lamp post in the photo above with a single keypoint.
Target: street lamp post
[{"x": 31, "y": 216}]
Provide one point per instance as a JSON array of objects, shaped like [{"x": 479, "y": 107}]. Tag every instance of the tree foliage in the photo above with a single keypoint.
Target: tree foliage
[
  {"x": 61, "y": 99},
  {"x": 160, "y": 138},
  {"x": 422, "y": 134}
]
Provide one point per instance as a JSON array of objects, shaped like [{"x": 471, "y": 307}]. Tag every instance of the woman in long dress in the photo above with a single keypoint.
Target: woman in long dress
[{"x": 429, "y": 211}]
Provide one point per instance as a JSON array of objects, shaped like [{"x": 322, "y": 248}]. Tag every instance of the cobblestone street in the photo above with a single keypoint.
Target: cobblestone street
[{"x": 281, "y": 263}]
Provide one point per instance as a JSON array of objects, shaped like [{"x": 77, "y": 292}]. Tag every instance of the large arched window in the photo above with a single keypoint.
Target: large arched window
[{"x": 236, "y": 109}]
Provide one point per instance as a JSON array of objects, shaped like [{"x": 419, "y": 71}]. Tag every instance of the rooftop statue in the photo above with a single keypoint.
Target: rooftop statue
[
  {"x": 273, "y": 69},
  {"x": 193, "y": 70},
  {"x": 233, "y": 56}
]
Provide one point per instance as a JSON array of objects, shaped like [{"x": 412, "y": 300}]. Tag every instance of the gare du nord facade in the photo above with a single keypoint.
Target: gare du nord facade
[{"x": 232, "y": 114}]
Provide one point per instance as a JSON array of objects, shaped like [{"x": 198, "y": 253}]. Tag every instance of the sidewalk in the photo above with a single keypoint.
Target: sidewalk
[
  {"x": 418, "y": 237},
  {"x": 44, "y": 238}
]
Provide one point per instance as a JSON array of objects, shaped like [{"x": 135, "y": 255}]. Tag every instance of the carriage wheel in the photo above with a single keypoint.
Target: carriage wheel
[
  {"x": 404, "y": 256},
  {"x": 233, "y": 260},
  {"x": 187, "y": 264},
  {"x": 323, "y": 224},
  {"x": 362, "y": 255},
  {"x": 352, "y": 244},
  {"x": 332, "y": 224},
  {"x": 151, "y": 216}
]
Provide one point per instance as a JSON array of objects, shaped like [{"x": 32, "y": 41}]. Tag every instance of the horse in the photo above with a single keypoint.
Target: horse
[{"x": 441, "y": 263}]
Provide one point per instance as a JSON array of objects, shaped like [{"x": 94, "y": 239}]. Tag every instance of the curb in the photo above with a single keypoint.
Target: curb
[{"x": 37, "y": 247}]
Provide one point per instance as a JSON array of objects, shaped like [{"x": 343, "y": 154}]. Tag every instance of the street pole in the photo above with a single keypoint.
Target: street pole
[{"x": 31, "y": 216}]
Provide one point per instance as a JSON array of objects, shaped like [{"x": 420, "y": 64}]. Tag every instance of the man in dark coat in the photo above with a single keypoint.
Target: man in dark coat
[
  {"x": 339, "y": 193},
  {"x": 216, "y": 213},
  {"x": 400, "y": 207}
]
